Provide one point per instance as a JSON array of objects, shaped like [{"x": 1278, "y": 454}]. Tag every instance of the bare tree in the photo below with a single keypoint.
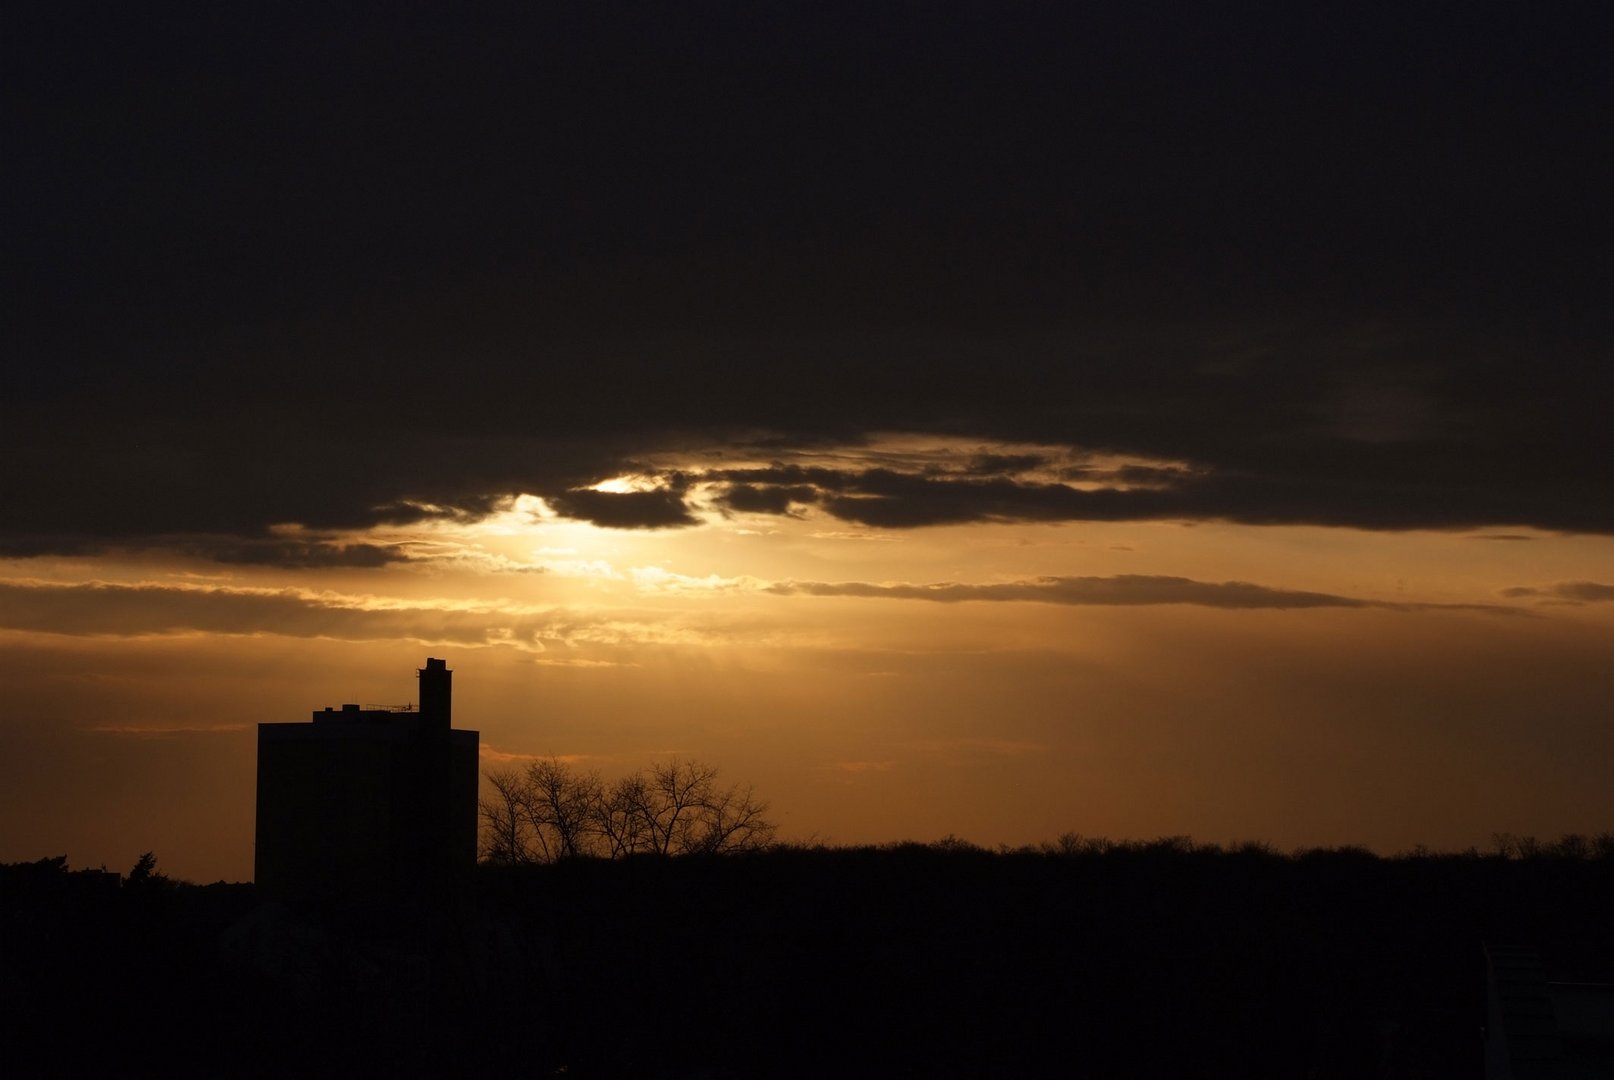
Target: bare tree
[
  {"x": 540, "y": 814},
  {"x": 690, "y": 814},
  {"x": 561, "y": 807},
  {"x": 732, "y": 820},
  {"x": 506, "y": 836},
  {"x": 620, "y": 816},
  {"x": 679, "y": 792},
  {"x": 549, "y": 812}
]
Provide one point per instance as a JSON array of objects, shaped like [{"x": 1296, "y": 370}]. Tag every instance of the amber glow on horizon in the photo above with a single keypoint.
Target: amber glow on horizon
[{"x": 1003, "y": 682}]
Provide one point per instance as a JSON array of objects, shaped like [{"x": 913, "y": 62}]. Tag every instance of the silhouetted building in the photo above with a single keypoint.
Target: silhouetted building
[{"x": 368, "y": 803}]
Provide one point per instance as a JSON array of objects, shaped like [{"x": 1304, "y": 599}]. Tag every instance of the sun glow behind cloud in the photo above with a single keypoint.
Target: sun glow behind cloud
[
  {"x": 1230, "y": 534},
  {"x": 630, "y": 483},
  {"x": 1127, "y": 677}
]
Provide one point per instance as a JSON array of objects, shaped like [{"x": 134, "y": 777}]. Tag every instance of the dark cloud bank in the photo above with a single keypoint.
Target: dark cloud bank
[
  {"x": 625, "y": 509},
  {"x": 379, "y": 265}
]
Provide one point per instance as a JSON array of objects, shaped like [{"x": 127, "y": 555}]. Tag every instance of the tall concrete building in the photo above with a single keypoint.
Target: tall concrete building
[{"x": 368, "y": 803}]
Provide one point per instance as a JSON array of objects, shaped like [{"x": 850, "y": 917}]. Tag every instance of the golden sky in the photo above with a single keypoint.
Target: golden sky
[
  {"x": 1002, "y": 682},
  {"x": 1118, "y": 418}
]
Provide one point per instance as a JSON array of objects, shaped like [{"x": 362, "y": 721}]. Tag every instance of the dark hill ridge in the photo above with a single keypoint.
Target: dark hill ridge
[{"x": 942, "y": 960}]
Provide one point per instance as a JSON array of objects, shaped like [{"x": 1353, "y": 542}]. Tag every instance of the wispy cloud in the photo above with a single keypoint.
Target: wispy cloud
[
  {"x": 1122, "y": 590},
  {"x": 104, "y": 609},
  {"x": 490, "y": 753},
  {"x": 658, "y": 579},
  {"x": 1564, "y": 592}
]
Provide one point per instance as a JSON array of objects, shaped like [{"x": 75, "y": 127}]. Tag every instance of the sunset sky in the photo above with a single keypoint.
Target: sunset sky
[{"x": 994, "y": 420}]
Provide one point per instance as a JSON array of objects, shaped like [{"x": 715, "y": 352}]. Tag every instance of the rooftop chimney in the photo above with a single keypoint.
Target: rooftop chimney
[{"x": 436, "y": 693}]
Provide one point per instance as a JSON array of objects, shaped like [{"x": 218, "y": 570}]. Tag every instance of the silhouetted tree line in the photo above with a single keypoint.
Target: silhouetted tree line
[
  {"x": 550, "y": 811},
  {"x": 1503, "y": 845},
  {"x": 1081, "y": 956}
]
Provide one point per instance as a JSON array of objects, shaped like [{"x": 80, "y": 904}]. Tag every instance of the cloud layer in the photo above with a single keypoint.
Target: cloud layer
[
  {"x": 1570, "y": 592},
  {"x": 130, "y": 610},
  {"x": 262, "y": 282},
  {"x": 1122, "y": 590},
  {"x": 117, "y": 610}
]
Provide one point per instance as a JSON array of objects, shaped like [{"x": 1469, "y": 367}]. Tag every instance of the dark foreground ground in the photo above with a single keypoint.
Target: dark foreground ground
[{"x": 1149, "y": 961}]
